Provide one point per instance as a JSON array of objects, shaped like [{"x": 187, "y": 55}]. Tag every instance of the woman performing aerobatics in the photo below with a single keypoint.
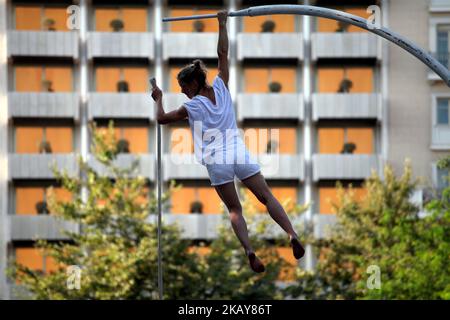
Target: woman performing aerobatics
[{"x": 210, "y": 108}]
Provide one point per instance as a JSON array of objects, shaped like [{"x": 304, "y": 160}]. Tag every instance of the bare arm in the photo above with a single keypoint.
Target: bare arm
[
  {"x": 167, "y": 117},
  {"x": 222, "y": 47}
]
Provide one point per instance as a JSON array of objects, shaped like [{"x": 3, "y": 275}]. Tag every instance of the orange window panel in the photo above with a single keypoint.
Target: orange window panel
[
  {"x": 59, "y": 15},
  {"x": 103, "y": 18},
  {"x": 286, "y": 77},
  {"x": 181, "y": 26},
  {"x": 51, "y": 265},
  {"x": 28, "y": 18},
  {"x": 137, "y": 139},
  {"x": 326, "y": 25},
  {"x": 331, "y": 140},
  {"x": 210, "y": 199},
  {"x": 211, "y": 25},
  {"x": 137, "y": 78},
  {"x": 286, "y": 195},
  {"x": 361, "y": 12},
  {"x": 181, "y": 200},
  {"x": 60, "y": 139},
  {"x": 287, "y": 141},
  {"x": 201, "y": 251},
  {"x": 329, "y": 79},
  {"x": 26, "y": 199},
  {"x": 143, "y": 199},
  {"x": 61, "y": 195},
  {"x": 106, "y": 79},
  {"x": 134, "y": 19},
  {"x": 362, "y": 138},
  {"x": 256, "y": 80},
  {"x": 283, "y": 23},
  {"x": 212, "y": 73},
  {"x": 362, "y": 79},
  {"x": 287, "y": 273},
  {"x": 327, "y": 197},
  {"x": 28, "y": 139},
  {"x": 181, "y": 141},
  {"x": 61, "y": 78},
  {"x": 174, "y": 86},
  {"x": 257, "y": 139},
  {"x": 28, "y": 79},
  {"x": 31, "y": 258}
]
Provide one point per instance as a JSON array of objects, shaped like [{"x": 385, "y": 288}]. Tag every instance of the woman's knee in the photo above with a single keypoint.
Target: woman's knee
[{"x": 235, "y": 209}]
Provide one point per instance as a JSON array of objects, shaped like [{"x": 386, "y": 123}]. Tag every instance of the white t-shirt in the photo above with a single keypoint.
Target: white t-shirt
[{"x": 214, "y": 130}]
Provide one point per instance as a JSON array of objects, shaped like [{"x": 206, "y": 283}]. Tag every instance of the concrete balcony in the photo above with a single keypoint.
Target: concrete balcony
[
  {"x": 193, "y": 226},
  {"x": 43, "y": 105},
  {"x": 120, "y": 45},
  {"x": 346, "y": 106},
  {"x": 270, "y": 106},
  {"x": 43, "y": 44},
  {"x": 38, "y": 166},
  {"x": 281, "y": 166},
  {"x": 189, "y": 45},
  {"x": 183, "y": 166},
  {"x": 323, "y": 224},
  {"x": 33, "y": 227},
  {"x": 440, "y": 137},
  {"x": 269, "y": 45},
  {"x": 344, "y": 166},
  {"x": 439, "y": 6},
  {"x": 173, "y": 101},
  {"x": 345, "y": 45},
  {"x": 145, "y": 166},
  {"x": 120, "y": 105}
]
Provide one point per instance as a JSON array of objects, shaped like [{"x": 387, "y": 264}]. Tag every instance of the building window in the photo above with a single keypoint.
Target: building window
[
  {"x": 328, "y": 197},
  {"x": 329, "y": 25},
  {"x": 41, "y": 18},
  {"x": 181, "y": 141},
  {"x": 346, "y": 140},
  {"x": 443, "y": 111},
  {"x": 271, "y": 23},
  {"x": 196, "y": 200},
  {"x": 130, "y": 139},
  {"x": 443, "y": 176},
  {"x": 271, "y": 140},
  {"x": 123, "y": 79},
  {"x": 44, "y": 139},
  {"x": 43, "y": 79},
  {"x": 273, "y": 80},
  {"x": 443, "y": 44},
  {"x": 34, "y": 259},
  {"x": 286, "y": 195},
  {"x": 345, "y": 80},
  {"x": 34, "y": 200},
  {"x": 206, "y": 25},
  {"x": 127, "y": 19}
]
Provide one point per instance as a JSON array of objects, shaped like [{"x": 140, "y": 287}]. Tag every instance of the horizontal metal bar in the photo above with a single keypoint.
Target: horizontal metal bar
[{"x": 395, "y": 38}]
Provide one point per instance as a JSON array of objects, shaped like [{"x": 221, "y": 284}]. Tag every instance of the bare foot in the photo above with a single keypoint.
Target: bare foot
[
  {"x": 297, "y": 248},
  {"x": 256, "y": 264}
]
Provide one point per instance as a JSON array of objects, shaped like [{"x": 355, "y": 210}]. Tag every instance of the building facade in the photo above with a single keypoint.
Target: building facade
[{"x": 324, "y": 101}]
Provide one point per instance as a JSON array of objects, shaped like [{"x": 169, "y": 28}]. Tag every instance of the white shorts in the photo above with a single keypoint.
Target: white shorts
[{"x": 224, "y": 173}]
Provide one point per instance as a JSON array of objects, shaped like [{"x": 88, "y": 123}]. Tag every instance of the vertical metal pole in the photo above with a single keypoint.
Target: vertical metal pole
[{"x": 158, "y": 75}]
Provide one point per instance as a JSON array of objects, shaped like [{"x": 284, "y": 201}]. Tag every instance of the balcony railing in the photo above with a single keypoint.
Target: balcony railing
[
  {"x": 38, "y": 166},
  {"x": 120, "y": 44},
  {"x": 43, "y": 104},
  {"x": 344, "y": 166},
  {"x": 345, "y": 45},
  {"x": 189, "y": 45},
  {"x": 120, "y": 105},
  {"x": 29, "y": 227},
  {"x": 43, "y": 43},
  {"x": 269, "y": 45},
  {"x": 144, "y": 168}
]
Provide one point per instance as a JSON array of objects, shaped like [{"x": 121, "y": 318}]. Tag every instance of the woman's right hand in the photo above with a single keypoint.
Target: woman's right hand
[
  {"x": 222, "y": 17},
  {"x": 156, "y": 93}
]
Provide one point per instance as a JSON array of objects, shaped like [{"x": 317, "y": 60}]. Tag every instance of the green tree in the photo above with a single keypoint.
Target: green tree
[
  {"x": 116, "y": 248},
  {"x": 385, "y": 230}
]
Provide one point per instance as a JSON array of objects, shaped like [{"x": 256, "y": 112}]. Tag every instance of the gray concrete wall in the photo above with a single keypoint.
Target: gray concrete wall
[{"x": 410, "y": 92}]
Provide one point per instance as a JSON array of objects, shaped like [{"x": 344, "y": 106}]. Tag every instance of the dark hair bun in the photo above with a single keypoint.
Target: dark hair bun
[{"x": 197, "y": 64}]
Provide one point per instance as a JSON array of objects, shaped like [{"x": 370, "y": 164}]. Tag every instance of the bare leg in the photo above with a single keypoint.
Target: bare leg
[
  {"x": 258, "y": 186},
  {"x": 227, "y": 192}
]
